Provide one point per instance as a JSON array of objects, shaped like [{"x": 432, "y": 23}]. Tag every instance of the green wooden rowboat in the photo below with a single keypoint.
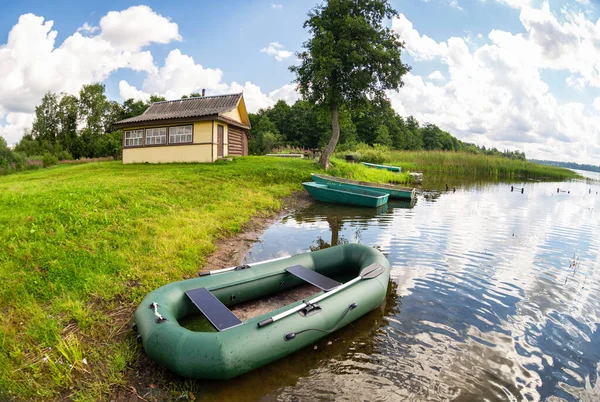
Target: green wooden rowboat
[
  {"x": 395, "y": 169},
  {"x": 239, "y": 347},
  {"x": 395, "y": 192},
  {"x": 335, "y": 194}
]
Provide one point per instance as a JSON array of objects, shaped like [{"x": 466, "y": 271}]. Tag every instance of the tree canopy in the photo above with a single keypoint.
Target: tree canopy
[{"x": 351, "y": 59}]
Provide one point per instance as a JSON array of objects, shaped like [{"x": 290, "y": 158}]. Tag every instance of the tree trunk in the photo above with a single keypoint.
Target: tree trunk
[{"x": 335, "y": 136}]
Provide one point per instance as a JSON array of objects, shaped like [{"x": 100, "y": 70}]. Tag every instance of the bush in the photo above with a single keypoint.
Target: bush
[
  {"x": 64, "y": 156},
  {"x": 373, "y": 154},
  {"x": 49, "y": 160}
]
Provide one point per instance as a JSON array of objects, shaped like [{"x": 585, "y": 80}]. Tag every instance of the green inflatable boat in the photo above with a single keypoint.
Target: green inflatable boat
[{"x": 352, "y": 279}]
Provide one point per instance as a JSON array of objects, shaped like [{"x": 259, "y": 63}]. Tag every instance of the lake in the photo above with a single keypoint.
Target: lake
[{"x": 493, "y": 295}]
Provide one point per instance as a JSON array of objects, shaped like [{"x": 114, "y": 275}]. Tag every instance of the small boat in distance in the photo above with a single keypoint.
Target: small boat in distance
[
  {"x": 394, "y": 169},
  {"x": 338, "y": 195},
  {"x": 396, "y": 192}
]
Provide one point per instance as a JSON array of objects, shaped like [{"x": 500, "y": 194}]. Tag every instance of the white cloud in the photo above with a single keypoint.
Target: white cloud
[
  {"x": 31, "y": 63},
  {"x": 128, "y": 91},
  {"x": 454, "y": 4},
  {"x": 597, "y": 103},
  {"x": 287, "y": 93},
  {"x": 276, "y": 50},
  {"x": 87, "y": 28},
  {"x": 495, "y": 94},
  {"x": 137, "y": 27},
  {"x": 181, "y": 75},
  {"x": 436, "y": 76},
  {"x": 276, "y": 6},
  {"x": 16, "y": 123}
]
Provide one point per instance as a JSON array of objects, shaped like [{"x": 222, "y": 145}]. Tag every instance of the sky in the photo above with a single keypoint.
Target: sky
[{"x": 511, "y": 74}]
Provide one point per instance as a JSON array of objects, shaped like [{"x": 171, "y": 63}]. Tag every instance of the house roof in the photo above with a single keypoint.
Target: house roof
[{"x": 203, "y": 106}]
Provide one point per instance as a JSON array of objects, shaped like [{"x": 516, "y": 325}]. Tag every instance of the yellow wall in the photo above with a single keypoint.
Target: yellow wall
[
  {"x": 169, "y": 153},
  {"x": 234, "y": 115},
  {"x": 203, "y": 131},
  {"x": 239, "y": 113},
  {"x": 205, "y": 134}
]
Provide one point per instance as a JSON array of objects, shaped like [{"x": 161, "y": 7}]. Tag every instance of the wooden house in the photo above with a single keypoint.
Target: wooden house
[{"x": 201, "y": 129}]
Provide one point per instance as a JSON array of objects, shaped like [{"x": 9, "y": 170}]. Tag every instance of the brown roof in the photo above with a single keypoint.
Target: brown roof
[{"x": 187, "y": 108}]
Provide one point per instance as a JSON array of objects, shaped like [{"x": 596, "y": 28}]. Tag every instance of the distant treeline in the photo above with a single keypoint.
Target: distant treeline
[
  {"x": 307, "y": 126},
  {"x": 568, "y": 165}
]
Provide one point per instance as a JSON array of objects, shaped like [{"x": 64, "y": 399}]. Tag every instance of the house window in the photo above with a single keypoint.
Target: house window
[
  {"x": 156, "y": 136},
  {"x": 134, "y": 138},
  {"x": 180, "y": 134}
]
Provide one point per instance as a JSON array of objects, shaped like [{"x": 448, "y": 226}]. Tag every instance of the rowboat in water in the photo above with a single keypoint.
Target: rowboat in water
[
  {"x": 395, "y": 192},
  {"x": 395, "y": 169},
  {"x": 228, "y": 346},
  {"x": 338, "y": 195}
]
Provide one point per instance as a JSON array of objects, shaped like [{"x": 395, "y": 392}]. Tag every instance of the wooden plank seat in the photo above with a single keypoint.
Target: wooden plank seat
[
  {"x": 313, "y": 277},
  {"x": 217, "y": 313}
]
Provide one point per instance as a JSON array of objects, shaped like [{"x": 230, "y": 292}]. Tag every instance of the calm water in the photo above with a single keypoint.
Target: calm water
[{"x": 495, "y": 295}]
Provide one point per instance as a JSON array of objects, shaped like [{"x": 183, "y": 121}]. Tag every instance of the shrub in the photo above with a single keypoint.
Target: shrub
[
  {"x": 64, "y": 156},
  {"x": 49, "y": 160},
  {"x": 373, "y": 154}
]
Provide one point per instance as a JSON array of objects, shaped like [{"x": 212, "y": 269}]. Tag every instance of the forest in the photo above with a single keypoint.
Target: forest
[
  {"x": 69, "y": 127},
  {"x": 306, "y": 126}
]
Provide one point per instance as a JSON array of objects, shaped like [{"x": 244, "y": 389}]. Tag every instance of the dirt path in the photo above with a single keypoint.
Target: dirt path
[{"x": 146, "y": 381}]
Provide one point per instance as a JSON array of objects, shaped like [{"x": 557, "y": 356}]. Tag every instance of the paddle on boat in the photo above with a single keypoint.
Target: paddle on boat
[
  {"x": 395, "y": 192},
  {"x": 352, "y": 278}
]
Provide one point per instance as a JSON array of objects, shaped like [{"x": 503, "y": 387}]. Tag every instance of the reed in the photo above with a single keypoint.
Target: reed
[{"x": 464, "y": 163}]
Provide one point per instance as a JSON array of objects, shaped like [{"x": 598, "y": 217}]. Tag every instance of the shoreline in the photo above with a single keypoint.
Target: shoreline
[
  {"x": 147, "y": 381},
  {"x": 232, "y": 251}
]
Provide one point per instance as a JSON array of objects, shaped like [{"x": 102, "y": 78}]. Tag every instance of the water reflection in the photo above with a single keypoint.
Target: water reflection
[
  {"x": 292, "y": 378},
  {"x": 496, "y": 296}
]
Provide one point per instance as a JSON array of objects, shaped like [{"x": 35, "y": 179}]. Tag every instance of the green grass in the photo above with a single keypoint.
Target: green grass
[
  {"x": 357, "y": 171},
  {"x": 463, "y": 163},
  {"x": 82, "y": 245}
]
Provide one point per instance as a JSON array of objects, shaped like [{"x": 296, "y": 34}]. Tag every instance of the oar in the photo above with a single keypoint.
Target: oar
[
  {"x": 240, "y": 267},
  {"x": 370, "y": 272}
]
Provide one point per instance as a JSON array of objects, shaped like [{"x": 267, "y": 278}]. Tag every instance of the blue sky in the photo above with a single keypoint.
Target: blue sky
[{"x": 514, "y": 74}]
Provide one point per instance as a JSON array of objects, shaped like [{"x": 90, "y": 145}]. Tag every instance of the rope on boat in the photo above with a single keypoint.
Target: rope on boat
[{"x": 159, "y": 318}]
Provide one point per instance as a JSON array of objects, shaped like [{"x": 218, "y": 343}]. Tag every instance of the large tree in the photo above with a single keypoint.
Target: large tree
[{"x": 350, "y": 59}]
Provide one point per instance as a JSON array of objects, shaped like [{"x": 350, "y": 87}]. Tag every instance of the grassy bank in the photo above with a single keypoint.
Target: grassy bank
[
  {"x": 463, "y": 163},
  {"x": 82, "y": 244}
]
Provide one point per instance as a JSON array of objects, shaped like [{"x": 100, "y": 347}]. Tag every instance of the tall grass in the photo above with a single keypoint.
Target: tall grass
[
  {"x": 475, "y": 164},
  {"x": 357, "y": 171}
]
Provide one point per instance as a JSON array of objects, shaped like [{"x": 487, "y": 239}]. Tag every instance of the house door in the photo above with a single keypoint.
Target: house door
[{"x": 220, "y": 130}]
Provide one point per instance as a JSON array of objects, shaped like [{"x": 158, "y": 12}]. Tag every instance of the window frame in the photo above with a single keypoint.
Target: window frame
[
  {"x": 191, "y": 134},
  {"x": 162, "y": 144},
  {"x": 125, "y": 139},
  {"x": 142, "y": 141}
]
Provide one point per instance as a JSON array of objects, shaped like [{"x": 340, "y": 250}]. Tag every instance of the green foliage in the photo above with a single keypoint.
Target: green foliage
[
  {"x": 49, "y": 160},
  {"x": 476, "y": 164},
  {"x": 265, "y": 137},
  {"x": 350, "y": 59},
  {"x": 357, "y": 171},
  {"x": 372, "y": 154},
  {"x": 111, "y": 144}
]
